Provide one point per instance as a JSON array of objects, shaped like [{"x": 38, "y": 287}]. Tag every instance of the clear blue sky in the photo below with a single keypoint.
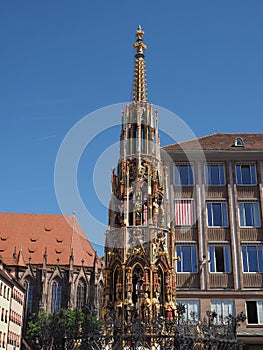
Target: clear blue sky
[{"x": 61, "y": 60}]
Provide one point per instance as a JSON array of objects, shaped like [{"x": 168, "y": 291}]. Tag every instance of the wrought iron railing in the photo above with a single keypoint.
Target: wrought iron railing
[{"x": 211, "y": 333}]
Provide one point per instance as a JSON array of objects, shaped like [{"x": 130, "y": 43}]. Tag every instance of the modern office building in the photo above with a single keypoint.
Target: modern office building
[{"x": 217, "y": 198}]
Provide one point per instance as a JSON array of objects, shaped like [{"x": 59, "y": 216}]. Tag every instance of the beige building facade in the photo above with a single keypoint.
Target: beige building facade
[{"x": 12, "y": 310}]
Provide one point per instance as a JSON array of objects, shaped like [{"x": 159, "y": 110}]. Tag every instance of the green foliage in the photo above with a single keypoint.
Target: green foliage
[{"x": 60, "y": 330}]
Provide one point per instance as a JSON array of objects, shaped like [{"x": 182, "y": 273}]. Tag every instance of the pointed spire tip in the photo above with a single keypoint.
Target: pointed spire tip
[{"x": 139, "y": 86}]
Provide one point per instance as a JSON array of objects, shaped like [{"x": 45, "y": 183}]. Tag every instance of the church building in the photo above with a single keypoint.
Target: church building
[{"x": 52, "y": 258}]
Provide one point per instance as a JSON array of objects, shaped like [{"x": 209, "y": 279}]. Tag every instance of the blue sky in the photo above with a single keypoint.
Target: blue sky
[{"x": 62, "y": 60}]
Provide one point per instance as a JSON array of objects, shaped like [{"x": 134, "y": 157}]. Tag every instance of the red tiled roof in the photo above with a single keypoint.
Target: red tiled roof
[
  {"x": 28, "y": 235},
  {"x": 220, "y": 141}
]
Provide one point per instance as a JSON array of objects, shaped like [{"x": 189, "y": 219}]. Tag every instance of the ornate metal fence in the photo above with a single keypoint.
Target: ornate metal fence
[{"x": 162, "y": 334}]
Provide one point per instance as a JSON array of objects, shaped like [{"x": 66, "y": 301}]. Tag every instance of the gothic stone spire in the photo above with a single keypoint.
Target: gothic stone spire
[{"x": 139, "y": 83}]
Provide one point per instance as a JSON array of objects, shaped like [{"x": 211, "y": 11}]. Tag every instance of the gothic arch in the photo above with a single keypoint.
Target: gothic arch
[
  {"x": 160, "y": 283},
  {"x": 81, "y": 293},
  {"x": 138, "y": 278},
  {"x": 29, "y": 295},
  {"x": 117, "y": 279},
  {"x": 55, "y": 293}
]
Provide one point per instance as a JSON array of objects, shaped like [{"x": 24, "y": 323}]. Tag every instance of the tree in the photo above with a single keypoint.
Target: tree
[{"x": 55, "y": 331}]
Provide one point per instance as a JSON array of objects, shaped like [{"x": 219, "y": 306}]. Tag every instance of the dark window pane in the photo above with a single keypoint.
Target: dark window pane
[
  {"x": 194, "y": 259},
  {"x": 212, "y": 258},
  {"x": 227, "y": 259},
  {"x": 188, "y": 261},
  {"x": 241, "y": 214},
  {"x": 248, "y": 214},
  {"x": 219, "y": 259},
  {"x": 260, "y": 259},
  {"x": 245, "y": 174},
  {"x": 238, "y": 174},
  {"x": 253, "y": 174},
  {"x": 222, "y": 175},
  {"x": 214, "y": 175},
  {"x": 252, "y": 316},
  {"x": 191, "y": 176},
  {"x": 179, "y": 262},
  {"x": 224, "y": 215},
  {"x": 244, "y": 258},
  {"x": 209, "y": 214},
  {"x": 186, "y": 258},
  {"x": 183, "y": 175},
  {"x": 252, "y": 258},
  {"x": 256, "y": 215},
  {"x": 217, "y": 214}
]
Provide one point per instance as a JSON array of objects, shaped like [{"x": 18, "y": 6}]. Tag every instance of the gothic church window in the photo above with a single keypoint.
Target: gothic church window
[
  {"x": 56, "y": 296},
  {"x": 81, "y": 294},
  {"x": 29, "y": 296}
]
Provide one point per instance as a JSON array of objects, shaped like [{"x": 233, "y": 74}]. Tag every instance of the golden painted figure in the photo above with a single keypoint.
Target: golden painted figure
[
  {"x": 128, "y": 307},
  {"x": 156, "y": 306},
  {"x": 146, "y": 306},
  {"x": 169, "y": 308}
]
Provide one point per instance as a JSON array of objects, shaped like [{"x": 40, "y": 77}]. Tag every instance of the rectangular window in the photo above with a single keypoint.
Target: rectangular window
[
  {"x": 254, "y": 312},
  {"x": 184, "y": 212},
  {"x": 219, "y": 258},
  {"x": 215, "y": 174},
  {"x": 188, "y": 258},
  {"x": 192, "y": 309},
  {"x": 183, "y": 175},
  {"x": 249, "y": 214},
  {"x": 252, "y": 258},
  {"x": 223, "y": 309},
  {"x": 217, "y": 214},
  {"x": 246, "y": 174}
]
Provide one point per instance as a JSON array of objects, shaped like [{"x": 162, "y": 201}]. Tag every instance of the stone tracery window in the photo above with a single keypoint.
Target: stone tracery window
[
  {"x": 29, "y": 295},
  {"x": 81, "y": 294},
  {"x": 56, "y": 296}
]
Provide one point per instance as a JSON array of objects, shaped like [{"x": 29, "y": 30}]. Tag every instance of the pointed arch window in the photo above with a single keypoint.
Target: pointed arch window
[
  {"x": 137, "y": 281},
  {"x": 56, "y": 296},
  {"x": 29, "y": 295},
  {"x": 81, "y": 294}
]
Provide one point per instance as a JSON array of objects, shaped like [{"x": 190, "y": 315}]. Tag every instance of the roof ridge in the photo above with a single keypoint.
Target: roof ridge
[
  {"x": 197, "y": 138},
  {"x": 211, "y": 135}
]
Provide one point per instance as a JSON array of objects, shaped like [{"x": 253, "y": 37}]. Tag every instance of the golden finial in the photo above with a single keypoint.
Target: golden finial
[
  {"x": 139, "y": 46},
  {"x": 139, "y": 85}
]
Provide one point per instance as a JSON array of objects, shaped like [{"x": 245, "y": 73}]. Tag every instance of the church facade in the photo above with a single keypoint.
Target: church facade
[{"x": 52, "y": 258}]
